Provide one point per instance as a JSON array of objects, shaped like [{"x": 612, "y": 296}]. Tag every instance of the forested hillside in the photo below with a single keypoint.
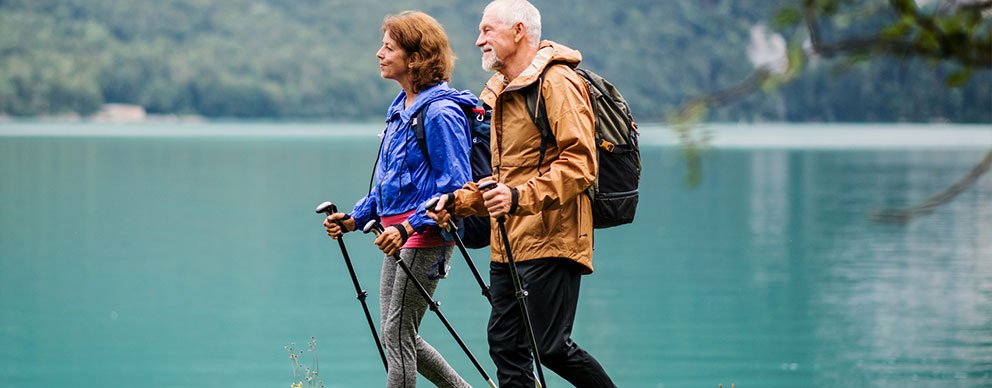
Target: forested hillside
[{"x": 314, "y": 59}]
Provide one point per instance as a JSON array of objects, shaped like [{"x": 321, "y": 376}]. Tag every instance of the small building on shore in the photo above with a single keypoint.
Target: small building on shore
[{"x": 120, "y": 113}]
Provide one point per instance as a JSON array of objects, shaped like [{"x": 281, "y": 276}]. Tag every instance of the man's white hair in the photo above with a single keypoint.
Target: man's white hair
[{"x": 509, "y": 12}]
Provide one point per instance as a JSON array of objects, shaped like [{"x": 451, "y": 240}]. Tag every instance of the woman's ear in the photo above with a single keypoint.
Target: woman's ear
[{"x": 412, "y": 59}]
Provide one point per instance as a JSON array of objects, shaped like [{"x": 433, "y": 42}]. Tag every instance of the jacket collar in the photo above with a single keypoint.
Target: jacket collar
[{"x": 425, "y": 97}]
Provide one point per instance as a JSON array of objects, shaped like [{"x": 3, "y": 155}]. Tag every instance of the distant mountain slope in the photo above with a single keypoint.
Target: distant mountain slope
[{"x": 315, "y": 59}]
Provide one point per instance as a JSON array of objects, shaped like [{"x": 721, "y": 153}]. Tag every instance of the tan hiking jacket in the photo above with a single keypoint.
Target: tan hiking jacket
[{"x": 553, "y": 217}]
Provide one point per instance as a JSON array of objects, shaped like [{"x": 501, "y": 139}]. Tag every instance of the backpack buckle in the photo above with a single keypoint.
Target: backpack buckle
[
  {"x": 607, "y": 145},
  {"x": 480, "y": 114}
]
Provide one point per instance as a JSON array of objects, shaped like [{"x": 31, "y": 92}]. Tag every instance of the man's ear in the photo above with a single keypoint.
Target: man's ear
[{"x": 519, "y": 32}]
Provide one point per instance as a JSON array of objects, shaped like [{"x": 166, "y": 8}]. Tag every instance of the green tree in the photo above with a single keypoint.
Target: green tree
[
  {"x": 315, "y": 59},
  {"x": 954, "y": 37}
]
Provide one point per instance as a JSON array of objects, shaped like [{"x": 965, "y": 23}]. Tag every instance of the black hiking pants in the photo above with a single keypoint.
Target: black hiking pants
[{"x": 553, "y": 292}]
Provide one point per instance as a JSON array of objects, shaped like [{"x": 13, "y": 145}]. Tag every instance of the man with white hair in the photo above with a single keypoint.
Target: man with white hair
[{"x": 547, "y": 215}]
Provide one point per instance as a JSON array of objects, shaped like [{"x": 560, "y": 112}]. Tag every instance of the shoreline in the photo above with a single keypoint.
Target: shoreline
[{"x": 720, "y": 135}]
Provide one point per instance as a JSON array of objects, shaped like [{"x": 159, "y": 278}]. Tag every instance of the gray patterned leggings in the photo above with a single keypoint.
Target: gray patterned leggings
[{"x": 402, "y": 310}]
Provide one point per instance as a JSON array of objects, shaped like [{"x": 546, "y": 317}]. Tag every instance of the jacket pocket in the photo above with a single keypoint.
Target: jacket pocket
[{"x": 552, "y": 222}]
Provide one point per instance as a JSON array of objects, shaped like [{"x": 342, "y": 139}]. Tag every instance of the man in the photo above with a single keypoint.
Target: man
[{"x": 548, "y": 216}]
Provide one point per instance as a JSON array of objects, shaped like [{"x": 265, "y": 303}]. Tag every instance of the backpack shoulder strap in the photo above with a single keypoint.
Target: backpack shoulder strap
[
  {"x": 539, "y": 115},
  {"x": 418, "y": 131},
  {"x": 471, "y": 113},
  {"x": 418, "y": 125}
]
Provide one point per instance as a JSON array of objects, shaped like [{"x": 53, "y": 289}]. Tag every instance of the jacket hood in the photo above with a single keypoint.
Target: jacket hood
[{"x": 437, "y": 92}]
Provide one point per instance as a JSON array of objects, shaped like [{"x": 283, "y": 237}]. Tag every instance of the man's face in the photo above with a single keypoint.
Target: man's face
[{"x": 496, "y": 42}]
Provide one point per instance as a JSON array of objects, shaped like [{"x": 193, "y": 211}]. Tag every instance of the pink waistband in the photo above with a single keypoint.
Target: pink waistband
[{"x": 430, "y": 238}]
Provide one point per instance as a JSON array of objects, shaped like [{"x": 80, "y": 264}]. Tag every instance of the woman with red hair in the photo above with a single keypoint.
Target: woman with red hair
[{"x": 415, "y": 53}]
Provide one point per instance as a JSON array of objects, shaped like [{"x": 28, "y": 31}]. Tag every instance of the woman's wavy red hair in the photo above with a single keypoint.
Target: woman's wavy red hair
[{"x": 426, "y": 44}]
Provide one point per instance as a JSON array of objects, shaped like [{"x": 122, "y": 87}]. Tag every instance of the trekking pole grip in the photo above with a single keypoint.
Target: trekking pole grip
[
  {"x": 489, "y": 186},
  {"x": 449, "y": 201},
  {"x": 328, "y": 208}
]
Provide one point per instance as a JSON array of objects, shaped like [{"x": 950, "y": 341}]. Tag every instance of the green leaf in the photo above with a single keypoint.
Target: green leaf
[
  {"x": 928, "y": 41},
  {"x": 897, "y": 30},
  {"x": 797, "y": 58},
  {"x": 787, "y": 17},
  {"x": 958, "y": 78},
  {"x": 904, "y": 6}
]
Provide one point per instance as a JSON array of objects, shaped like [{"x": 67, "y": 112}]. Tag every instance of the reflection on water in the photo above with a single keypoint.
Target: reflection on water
[
  {"x": 192, "y": 260},
  {"x": 914, "y": 301},
  {"x": 894, "y": 304}
]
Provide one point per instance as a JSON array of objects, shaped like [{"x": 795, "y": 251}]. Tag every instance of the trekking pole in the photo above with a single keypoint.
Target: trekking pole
[
  {"x": 521, "y": 293},
  {"x": 329, "y": 208},
  {"x": 453, "y": 231},
  {"x": 376, "y": 228}
]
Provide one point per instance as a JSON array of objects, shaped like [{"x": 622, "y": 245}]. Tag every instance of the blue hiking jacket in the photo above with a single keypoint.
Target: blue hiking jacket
[{"x": 404, "y": 179}]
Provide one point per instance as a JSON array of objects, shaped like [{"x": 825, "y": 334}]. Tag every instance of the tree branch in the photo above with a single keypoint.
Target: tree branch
[
  {"x": 927, "y": 207},
  {"x": 977, "y": 6},
  {"x": 979, "y": 56},
  {"x": 972, "y": 52}
]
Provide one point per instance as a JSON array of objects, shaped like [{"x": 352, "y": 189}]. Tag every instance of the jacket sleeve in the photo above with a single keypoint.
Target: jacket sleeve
[
  {"x": 468, "y": 201},
  {"x": 447, "y": 135},
  {"x": 365, "y": 210},
  {"x": 574, "y": 169}
]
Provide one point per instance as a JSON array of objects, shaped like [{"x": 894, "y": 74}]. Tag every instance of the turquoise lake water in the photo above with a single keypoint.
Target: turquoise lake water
[{"x": 165, "y": 256}]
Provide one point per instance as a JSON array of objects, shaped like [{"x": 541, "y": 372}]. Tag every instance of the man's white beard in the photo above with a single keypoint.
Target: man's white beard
[{"x": 492, "y": 62}]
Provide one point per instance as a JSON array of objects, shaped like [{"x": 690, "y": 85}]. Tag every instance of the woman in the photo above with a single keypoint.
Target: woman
[{"x": 415, "y": 53}]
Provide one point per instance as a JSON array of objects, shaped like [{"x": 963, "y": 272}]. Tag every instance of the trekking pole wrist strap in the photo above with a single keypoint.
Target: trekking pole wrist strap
[
  {"x": 403, "y": 234},
  {"x": 340, "y": 222},
  {"x": 514, "y": 200}
]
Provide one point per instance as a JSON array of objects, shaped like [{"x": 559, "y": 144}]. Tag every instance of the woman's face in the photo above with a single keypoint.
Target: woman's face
[{"x": 393, "y": 63}]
